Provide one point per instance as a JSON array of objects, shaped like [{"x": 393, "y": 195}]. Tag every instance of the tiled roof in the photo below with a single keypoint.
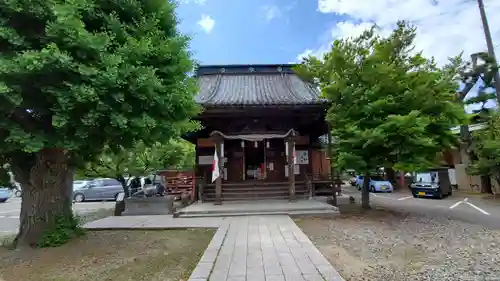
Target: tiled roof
[{"x": 253, "y": 85}]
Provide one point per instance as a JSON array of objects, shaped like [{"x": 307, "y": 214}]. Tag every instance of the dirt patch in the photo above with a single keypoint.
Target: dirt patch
[
  {"x": 391, "y": 246},
  {"x": 95, "y": 215},
  {"x": 111, "y": 255}
]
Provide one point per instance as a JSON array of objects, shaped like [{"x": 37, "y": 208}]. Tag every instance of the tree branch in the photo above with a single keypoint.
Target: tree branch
[{"x": 21, "y": 117}]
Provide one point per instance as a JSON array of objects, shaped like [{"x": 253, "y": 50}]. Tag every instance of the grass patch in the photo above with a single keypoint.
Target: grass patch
[
  {"x": 7, "y": 239},
  {"x": 111, "y": 255}
]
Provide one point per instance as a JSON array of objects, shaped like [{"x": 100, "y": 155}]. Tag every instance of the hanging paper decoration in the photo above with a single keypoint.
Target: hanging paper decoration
[
  {"x": 268, "y": 144},
  {"x": 294, "y": 155},
  {"x": 243, "y": 143},
  {"x": 255, "y": 144}
]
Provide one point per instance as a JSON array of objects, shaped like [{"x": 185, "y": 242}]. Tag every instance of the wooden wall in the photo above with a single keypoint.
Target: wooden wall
[
  {"x": 236, "y": 159},
  {"x": 320, "y": 163},
  {"x": 276, "y": 154}
]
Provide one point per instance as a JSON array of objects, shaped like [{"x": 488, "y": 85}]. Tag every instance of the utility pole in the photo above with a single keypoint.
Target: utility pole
[{"x": 491, "y": 48}]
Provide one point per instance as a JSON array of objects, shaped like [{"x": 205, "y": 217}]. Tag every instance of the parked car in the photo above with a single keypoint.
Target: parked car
[
  {"x": 80, "y": 183},
  {"x": 97, "y": 189},
  {"x": 434, "y": 184},
  {"x": 4, "y": 194},
  {"x": 376, "y": 184}
]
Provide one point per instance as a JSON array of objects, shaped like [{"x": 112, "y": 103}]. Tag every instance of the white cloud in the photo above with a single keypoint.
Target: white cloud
[
  {"x": 271, "y": 12},
  {"x": 197, "y": 2},
  {"x": 207, "y": 23},
  {"x": 445, "y": 27}
]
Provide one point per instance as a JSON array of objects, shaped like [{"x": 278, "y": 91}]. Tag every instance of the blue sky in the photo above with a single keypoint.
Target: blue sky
[
  {"x": 279, "y": 31},
  {"x": 256, "y": 31},
  {"x": 282, "y": 31}
]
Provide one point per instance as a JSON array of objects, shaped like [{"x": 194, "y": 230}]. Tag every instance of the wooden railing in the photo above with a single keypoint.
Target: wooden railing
[{"x": 181, "y": 185}]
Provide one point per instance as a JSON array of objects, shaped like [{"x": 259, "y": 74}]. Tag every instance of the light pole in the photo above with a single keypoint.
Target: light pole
[{"x": 491, "y": 48}]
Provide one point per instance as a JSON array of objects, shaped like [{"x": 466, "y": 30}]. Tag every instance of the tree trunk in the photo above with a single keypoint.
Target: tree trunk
[
  {"x": 47, "y": 194},
  {"x": 365, "y": 192},
  {"x": 125, "y": 186},
  {"x": 390, "y": 176},
  {"x": 486, "y": 184}
]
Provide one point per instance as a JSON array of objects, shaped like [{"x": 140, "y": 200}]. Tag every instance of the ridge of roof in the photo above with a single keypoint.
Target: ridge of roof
[{"x": 243, "y": 69}]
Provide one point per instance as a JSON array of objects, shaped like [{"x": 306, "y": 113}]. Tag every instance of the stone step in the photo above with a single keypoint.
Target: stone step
[
  {"x": 257, "y": 184},
  {"x": 297, "y": 187},
  {"x": 262, "y": 213},
  {"x": 249, "y": 198},
  {"x": 254, "y": 192}
]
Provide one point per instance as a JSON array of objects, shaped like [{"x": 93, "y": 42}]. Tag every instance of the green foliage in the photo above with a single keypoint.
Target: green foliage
[
  {"x": 390, "y": 106},
  {"x": 64, "y": 229},
  {"x": 486, "y": 147},
  {"x": 79, "y": 76},
  {"x": 84, "y": 74},
  {"x": 481, "y": 69},
  {"x": 141, "y": 160}
]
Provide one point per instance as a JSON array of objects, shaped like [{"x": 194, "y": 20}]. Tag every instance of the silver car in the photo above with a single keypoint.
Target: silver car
[{"x": 97, "y": 189}]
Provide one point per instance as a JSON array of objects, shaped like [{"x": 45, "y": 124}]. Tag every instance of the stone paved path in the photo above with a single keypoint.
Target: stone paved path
[
  {"x": 265, "y": 248},
  {"x": 252, "y": 248}
]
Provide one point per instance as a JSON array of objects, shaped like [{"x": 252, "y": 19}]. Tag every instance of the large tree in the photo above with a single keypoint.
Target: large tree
[
  {"x": 390, "y": 105},
  {"x": 79, "y": 75},
  {"x": 486, "y": 148},
  {"x": 140, "y": 160},
  {"x": 480, "y": 72}
]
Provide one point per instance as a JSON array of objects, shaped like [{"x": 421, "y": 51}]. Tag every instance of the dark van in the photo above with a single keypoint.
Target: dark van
[{"x": 433, "y": 183}]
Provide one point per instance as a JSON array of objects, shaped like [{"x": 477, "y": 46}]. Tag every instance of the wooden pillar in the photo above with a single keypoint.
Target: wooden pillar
[
  {"x": 243, "y": 159},
  {"x": 333, "y": 178},
  {"x": 218, "y": 139},
  {"x": 291, "y": 166}
]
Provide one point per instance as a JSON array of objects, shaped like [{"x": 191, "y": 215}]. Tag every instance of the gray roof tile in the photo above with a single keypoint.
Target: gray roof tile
[{"x": 253, "y": 85}]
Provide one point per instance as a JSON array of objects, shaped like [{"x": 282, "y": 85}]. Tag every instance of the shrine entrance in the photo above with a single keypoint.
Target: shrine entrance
[
  {"x": 260, "y": 118},
  {"x": 255, "y": 162}
]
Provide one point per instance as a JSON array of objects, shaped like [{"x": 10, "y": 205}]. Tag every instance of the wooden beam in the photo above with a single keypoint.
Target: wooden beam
[
  {"x": 205, "y": 142},
  {"x": 291, "y": 167},
  {"x": 217, "y": 139}
]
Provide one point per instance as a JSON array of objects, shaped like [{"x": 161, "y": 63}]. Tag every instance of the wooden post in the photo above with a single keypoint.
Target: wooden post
[
  {"x": 332, "y": 169},
  {"x": 218, "y": 182},
  {"x": 402, "y": 180},
  {"x": 291, "y": 167}
]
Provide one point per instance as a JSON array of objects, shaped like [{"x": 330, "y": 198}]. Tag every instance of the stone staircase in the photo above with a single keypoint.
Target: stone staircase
[
  {"x": 258, "y": 208},
  {"x": 249, "y": 191}
]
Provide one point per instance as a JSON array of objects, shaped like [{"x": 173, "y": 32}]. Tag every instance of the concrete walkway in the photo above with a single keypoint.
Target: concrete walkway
[{"x": 253, "y": 248}]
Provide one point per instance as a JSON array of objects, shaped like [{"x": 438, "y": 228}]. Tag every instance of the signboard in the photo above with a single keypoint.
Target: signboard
[
  {"x": 206, "y": 160},
  {"x": 302, "y": 157},
  {"x": 209, "y": 160}
]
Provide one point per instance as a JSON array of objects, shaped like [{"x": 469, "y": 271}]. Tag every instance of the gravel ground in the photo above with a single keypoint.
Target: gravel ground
[{"x": 386, "y": 246}]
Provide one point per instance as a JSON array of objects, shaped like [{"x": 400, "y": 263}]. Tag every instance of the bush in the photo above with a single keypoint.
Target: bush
[{"x": 65, "y": 229}]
